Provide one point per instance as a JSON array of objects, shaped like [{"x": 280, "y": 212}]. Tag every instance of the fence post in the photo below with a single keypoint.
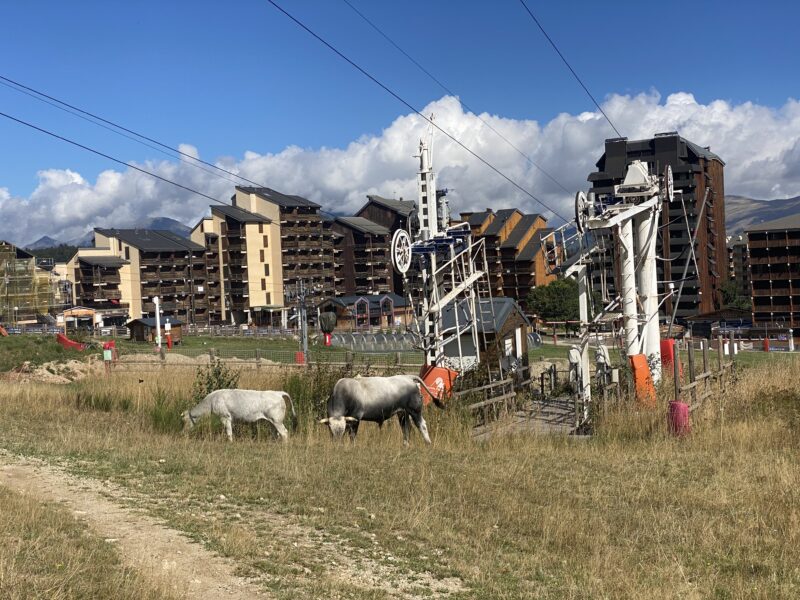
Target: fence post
[
  {"x": 348, "y": 358},
  {"x": 720, "y": 351},
  {"x": 211, "y": 354},
  {"x": 258, "y": 358}
]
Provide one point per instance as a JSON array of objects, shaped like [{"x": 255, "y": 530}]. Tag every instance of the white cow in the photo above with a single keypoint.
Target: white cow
[{"x": 243, "y": 405}]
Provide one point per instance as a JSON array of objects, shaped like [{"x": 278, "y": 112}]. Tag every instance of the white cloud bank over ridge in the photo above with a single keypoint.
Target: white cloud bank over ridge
[{"x": 760, "y": 145}]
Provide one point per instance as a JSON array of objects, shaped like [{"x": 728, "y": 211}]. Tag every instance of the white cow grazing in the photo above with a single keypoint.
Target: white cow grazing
[{"x": 243, "y": 405}]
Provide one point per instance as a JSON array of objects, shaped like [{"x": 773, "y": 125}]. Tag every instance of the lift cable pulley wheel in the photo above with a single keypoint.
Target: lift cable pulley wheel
[
  {"x": 401, "y": 251},
  {"x": 581, "y": 211}
]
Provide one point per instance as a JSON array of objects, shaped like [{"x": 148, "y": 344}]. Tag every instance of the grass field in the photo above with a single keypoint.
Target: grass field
[
  {"x": 629, "y": 513},
  {"x": 46, "y": 553}
]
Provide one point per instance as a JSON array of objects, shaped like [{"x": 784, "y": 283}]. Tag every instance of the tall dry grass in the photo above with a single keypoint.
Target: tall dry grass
[{"x": 630, "y": 513}]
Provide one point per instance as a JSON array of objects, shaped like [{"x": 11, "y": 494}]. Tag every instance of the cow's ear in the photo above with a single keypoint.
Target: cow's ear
[{"x": 323, "y": 421}]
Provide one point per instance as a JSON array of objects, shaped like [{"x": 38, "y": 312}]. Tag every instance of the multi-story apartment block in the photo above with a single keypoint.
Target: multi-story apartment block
[
  {"x": 267, "y": 242},
  {"x": 739, "y": 268},
  {"x": 363, "y": 264},
  {"x": 393, "y": 215},
  {"x": 127, "y": 268},
  {"x": 513, "y": 243},
  {"x": 774, "y": 256},
  {"x": 698, "y": 172}
]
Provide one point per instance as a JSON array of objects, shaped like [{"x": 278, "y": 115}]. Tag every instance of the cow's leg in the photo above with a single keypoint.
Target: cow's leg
[
  {"x": 419, "y": 421},
  {"x": 227, "y": 421},
  {"x": 281, "y": 429},
  {"x": 352, "y": 429},
  {"x": 405, "y": 426}
]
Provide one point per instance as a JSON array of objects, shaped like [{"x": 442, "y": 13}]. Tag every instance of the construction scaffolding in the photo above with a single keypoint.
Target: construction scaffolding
[{"x": 26, "y": 291}]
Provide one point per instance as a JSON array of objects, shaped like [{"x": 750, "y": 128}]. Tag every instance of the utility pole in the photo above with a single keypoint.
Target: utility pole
[{"x": 157, "y": 302}]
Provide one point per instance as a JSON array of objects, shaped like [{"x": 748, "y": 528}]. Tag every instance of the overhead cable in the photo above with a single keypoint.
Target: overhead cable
[
  {"x": 571, "y": 70},
  {"x": 450, "y": 92},
  {"x": 105, "y": 123},
  {"x": 109, "y": 157},
  {"x": 400, "y": 99}
]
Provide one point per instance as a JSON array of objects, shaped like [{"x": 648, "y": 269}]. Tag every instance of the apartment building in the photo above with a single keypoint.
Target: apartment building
[
  {"x": 698, "y": 172},
  {"x": 267, "y": 242},
  {"x": 241, "y": 250},
  {"x": 739, "y": 266},
  {"x": 774, "y": 256},
  {"x": 363, "y": 257},
  {"x": 127, "y": 268},
  {"x": 393, "y": 215}
]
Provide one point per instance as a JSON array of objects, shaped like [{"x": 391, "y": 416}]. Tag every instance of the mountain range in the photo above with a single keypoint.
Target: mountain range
[
  {"x": 163, "y": 223},
  {"x": 741, "y": 212}
]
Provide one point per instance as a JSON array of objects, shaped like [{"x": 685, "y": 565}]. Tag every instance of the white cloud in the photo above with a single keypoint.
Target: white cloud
[{"x": 761, "y": 146}]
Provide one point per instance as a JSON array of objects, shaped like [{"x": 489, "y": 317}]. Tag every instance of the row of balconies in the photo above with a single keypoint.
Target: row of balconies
[{"x": 782, "y": 243}]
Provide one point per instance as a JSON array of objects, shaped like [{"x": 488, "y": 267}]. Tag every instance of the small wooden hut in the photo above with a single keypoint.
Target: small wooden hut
[{"x": 144, "y": 330}]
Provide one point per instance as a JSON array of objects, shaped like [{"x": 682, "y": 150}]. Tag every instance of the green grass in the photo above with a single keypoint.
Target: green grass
[{"x": 36, "y": 349}]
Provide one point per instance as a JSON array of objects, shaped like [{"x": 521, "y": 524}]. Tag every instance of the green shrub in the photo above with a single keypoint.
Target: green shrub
[{"x": 216, "y": 376}]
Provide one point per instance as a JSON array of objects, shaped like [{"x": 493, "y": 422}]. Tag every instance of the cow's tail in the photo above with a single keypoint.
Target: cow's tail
[
  {"x": 291, "y": 406},
  {"x": 436, "y": 400}
]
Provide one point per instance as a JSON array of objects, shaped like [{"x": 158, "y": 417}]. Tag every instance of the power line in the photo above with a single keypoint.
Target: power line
[
  {"x": 571, "y": 70},
  {"x": 102, "y": 122},
  {"x": 453, "y": 94},
  {"x": 116, "y": 160},
  {"x": 400, "y": 99}
]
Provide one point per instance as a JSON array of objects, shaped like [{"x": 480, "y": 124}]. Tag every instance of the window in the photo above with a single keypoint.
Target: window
[
  {"x": 260, "y": 228},
  {"x": 261, "y": 255},
  {"x": 269, "y": 298},
  {"x": 119, "y": 244},
  {"x": 266, "y": 270},
  {"x": 263, "y": 284},
  {"x": 127, "y": 253},
  {"x": 266, "y": 241}
]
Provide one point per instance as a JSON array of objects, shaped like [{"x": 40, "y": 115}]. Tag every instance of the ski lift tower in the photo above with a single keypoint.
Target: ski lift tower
[
  {"x": 451, "y": 294},
  {"x": 630, "y": 215}
]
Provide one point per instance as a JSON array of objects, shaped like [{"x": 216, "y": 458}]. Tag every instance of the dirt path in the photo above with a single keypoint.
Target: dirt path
[{"x": 144, "y": 544}]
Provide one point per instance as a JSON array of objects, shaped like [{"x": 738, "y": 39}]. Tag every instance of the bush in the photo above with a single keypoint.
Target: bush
[{"x": 214, "y": 377}]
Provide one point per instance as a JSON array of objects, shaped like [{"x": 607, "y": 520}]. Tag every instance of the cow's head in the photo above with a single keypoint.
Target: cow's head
[
  {"x": 337, "y": 425},
  {"x": 188, "y": 421}
]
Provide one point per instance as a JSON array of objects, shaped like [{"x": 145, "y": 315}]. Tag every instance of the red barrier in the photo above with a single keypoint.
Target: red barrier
[
  {"x": 439, "y": 380},
  {"x": 68, "y": 343},
  {"x": 3, "y": 331},
  {"x": 667, "y": 358},
  {"x": 678, "y": 419}
]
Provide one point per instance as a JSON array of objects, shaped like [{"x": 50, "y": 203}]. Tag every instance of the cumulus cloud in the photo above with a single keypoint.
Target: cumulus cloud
[{"x": 761, "y": 146}]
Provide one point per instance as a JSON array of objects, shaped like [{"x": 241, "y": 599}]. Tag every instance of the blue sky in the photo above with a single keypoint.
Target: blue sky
[{"x": 232, "y": 77}]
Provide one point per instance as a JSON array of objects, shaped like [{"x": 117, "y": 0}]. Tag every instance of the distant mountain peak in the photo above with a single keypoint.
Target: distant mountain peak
[
  {"x": 44, "y": 242},
  {"x": 742, "y": 212}
]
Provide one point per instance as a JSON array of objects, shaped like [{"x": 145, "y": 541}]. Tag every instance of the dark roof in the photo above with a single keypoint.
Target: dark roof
[
  {"x": 702, "y": 152},
  {"x": 363, "y": 225},
  {"x": 784, "y": 223},
  {"x": 522, "y": 227},
  {"x": 239, "y": 214},
  {"x": 534, "y": 246},
  {"x": 103, "y": 261},
  {"x": 503, "y": 309},
  {"x": 151, "y": 321},
  {"x": 500, "y": 218},
  {"x": 402, "y": 207},
  {"x": 151, "y": 240},
  {"x": 278, "y": 198},
  {"x": 373, "y": 299},
  {"x": 477, "y": 219}
]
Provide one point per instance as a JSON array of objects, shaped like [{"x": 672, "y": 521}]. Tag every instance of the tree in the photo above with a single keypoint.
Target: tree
[
  {"x": 732, "y": 296},
  {"x": 556, "y": 301}
]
